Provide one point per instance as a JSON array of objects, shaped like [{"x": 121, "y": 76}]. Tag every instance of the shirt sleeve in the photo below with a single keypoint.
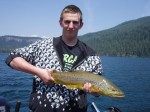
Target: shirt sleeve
[
  {"x": 97, "y": 66},
  {"x": 27, "y": 53}
]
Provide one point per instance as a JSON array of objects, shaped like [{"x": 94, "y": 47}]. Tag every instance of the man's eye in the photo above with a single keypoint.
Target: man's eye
[
  {"x": 75, "y": 22},
  {"x": 68, "y": 22}
]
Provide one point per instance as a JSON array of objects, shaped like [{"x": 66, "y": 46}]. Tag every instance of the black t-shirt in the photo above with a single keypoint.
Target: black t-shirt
[{"x": 70, "y": 55}]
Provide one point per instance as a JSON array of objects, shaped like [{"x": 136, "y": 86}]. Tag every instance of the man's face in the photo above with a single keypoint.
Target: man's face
[{"x": 71, "y": 24}]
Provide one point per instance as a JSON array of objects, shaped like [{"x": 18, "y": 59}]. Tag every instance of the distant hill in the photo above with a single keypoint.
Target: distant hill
[
  {"x": 9, "y": 42},
  {"x": 131, "y": 38}
]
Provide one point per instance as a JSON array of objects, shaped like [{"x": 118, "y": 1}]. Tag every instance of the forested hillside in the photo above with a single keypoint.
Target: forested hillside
[
  {"x": 9, "y": 42},
  {"x": 131, "y": 38}
]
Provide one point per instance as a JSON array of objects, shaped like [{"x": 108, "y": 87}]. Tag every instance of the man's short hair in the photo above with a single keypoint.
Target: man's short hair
[{"x": 71, "y": 9}]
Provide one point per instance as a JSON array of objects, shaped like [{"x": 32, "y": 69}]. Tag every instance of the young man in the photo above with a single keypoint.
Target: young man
[{"x": 65, "y": 53}]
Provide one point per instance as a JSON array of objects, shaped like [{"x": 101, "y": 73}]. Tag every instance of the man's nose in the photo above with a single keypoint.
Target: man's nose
[{"x": 71, "y": 24}]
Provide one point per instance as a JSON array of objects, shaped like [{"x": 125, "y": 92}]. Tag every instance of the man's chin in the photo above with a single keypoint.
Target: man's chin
[{"x": 71, "y": 35}]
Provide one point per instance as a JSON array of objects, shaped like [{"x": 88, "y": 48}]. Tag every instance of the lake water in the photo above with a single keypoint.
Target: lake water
[{"x": 131, "y": 75}]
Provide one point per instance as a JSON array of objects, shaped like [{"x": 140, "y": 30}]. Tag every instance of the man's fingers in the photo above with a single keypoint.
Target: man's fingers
[
  {"x": 50, "y": 71},
  {"x": 87, "y": 87}
]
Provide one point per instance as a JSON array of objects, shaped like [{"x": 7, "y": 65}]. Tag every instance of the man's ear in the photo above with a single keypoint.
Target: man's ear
[
  {"x": 81, "y": 25},
  {"x": 60, "y": 22}
]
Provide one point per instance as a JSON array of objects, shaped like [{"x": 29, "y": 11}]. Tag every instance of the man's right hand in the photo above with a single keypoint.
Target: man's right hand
[{"x": 45, "y": 75}]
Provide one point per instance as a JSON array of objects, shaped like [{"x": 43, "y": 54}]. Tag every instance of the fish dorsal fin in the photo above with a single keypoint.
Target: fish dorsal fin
[
  {"x": 78, "y": 71},
  {"x": 54, "y": 71}
]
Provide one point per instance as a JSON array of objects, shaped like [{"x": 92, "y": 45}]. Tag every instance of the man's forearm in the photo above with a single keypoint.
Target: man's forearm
[{"x": 20, "y": 64}]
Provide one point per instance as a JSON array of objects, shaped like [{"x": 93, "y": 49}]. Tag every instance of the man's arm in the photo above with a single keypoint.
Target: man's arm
[{"x": 21, "y": 64}]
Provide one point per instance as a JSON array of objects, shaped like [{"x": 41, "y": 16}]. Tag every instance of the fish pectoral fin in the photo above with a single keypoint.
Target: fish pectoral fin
[{"x": 74, "y": 86}]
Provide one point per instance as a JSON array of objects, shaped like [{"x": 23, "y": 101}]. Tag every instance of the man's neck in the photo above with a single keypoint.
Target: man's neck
[{"x": 70, "y": 41}]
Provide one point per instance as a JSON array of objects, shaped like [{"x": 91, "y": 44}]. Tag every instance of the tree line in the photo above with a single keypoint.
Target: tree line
[{"x": 131, "y": 38}]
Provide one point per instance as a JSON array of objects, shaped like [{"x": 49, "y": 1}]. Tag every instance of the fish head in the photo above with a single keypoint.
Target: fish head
[
  {"x": 109, "y": 89},
  {"x": 115, "y": 92}
]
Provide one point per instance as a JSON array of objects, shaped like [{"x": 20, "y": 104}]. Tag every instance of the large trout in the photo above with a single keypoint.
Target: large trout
[{"x": 77, "y": 79}]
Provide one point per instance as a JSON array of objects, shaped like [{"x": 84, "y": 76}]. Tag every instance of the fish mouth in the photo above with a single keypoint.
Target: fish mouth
[{"x": 119, "y": 95}]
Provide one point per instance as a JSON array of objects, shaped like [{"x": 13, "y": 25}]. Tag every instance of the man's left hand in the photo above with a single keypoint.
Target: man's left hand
[{"x": 86, "y": 89}]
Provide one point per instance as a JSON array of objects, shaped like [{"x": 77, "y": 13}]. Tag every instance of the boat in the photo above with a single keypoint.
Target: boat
[
  {"x": 5, "y": 106},
  {"x": 110, "y": 109}
]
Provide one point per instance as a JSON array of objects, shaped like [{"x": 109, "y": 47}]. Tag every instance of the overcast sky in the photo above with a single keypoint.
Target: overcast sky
[{"x": 41, "y": 17}]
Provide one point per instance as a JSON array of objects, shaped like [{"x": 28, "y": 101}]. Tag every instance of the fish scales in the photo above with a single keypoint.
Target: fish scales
[{"x": 77, "y": 79}]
